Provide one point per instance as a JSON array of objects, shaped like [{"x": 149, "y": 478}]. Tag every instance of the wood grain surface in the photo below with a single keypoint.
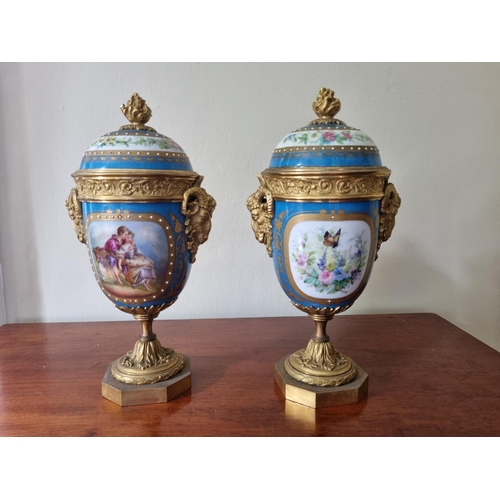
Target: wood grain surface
[{"x": 427, "y": 378}]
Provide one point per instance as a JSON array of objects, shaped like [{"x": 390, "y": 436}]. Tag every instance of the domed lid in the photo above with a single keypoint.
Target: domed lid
[
  {"x": 135, "y": 146},
  {"x": 326, "y": 141}
]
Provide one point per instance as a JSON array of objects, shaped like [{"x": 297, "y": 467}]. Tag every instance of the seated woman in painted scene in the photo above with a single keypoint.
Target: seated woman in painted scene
[{"x": 135, "y": 266}]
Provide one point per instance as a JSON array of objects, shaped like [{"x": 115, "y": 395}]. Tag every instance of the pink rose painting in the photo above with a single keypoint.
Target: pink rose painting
[
  {"x": 301, "y": 259},
  {"x": 326, "y": 277},
  {"x": 328, "y": 137}
]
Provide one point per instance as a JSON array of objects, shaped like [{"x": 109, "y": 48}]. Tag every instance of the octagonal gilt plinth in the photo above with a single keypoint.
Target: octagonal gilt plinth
[
  {"x": 160, "y": 392},
  {"x": 320, "y": 397}
]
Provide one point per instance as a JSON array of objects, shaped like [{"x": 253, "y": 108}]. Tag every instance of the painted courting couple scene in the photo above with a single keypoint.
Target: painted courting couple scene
[{"x": 125, "y": 268}]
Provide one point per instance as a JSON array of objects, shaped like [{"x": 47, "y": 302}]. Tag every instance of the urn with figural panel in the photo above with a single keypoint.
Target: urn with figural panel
[{"x": 140, "y": 208}]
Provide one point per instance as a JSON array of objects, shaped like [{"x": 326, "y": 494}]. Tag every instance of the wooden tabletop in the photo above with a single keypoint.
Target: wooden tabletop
[{"x": 427, "y": 378}]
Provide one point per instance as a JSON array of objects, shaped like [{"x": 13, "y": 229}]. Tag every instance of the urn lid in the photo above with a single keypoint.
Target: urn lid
[
  {"x": 326, "y": 141},
  {"x": 135, "y": 146}
]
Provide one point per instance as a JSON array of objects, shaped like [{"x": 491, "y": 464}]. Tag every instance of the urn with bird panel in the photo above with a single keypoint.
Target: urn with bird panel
[{"x": 323, "y": 209}]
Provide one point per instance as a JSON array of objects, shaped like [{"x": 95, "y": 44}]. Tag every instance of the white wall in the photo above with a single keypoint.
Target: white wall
[
  {"x": 3, "y": 314},
  {"x": 436, "y": 125}
]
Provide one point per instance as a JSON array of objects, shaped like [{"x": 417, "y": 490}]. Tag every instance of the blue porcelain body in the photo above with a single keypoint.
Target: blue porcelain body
[
  {"x": 307, "y": 270},
  {"x": 323, "y": 249},
  {"x": 158, "y": 233},
  {"x": 137, "y": 247}
]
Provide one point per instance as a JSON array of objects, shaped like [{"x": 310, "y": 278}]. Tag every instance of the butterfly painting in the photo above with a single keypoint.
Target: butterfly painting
[{"x": 331, "y": 241}]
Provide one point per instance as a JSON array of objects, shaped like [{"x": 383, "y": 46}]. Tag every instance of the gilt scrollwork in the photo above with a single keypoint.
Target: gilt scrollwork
[
  {"x": 75, "y": 214},
  {"x": 197, "y": 206},
  {"x": 261, "y": 207},
  {"x": 147, "y": 363},
  {"x": 321, "y": 365},
  {"x": 300, "y": 187},
  {"x": 326, "y": 184},
  {"x": 389, "y": 207},
  {"x": 362, "y": 186},
  {"x": 321, "y": 312},
  {"x": 110, "y": 186}
]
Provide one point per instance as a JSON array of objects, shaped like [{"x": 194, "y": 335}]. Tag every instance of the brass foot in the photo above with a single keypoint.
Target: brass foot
[
  {"x": 321, "y": 365},
  {"x": 320, "y": 397},
  {"x": 145, "y": 394},
  {"x": 147, "y": 363}
]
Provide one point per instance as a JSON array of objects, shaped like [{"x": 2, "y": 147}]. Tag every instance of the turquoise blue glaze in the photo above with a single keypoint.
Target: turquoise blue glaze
[
  {"x": 135, "y": 163},
  {"x": 326, "y": 159}
]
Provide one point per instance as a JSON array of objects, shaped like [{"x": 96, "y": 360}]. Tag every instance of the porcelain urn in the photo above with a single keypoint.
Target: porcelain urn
[
  {"x": 323, "y": 208},
  {"x": 140, "y": 209}
]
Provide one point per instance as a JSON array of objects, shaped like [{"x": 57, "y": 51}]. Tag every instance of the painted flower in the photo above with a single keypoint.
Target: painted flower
[
  {"x": 347, "y": 135},
  {"x": 329, "y": 136},
  {"x": 174, "y": 145},
  {"x": 303, "y": 138},
  {"x": 339, "y": 274},
  {"x": 163, "y": 144},
  {"x": 362, "y": 137},
  {"x": 322, "y": 263},
  {"x": 301, "y": 259},
  {"x": 108, "y": 141},
  {"x": 326, "y": 277},
  {"x": 323, "y": 270}
]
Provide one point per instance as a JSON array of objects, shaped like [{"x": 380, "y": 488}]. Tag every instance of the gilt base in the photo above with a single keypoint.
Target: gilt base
[
  {"x": 159, "y": 392},
  {"x": 320, "y": 397}
]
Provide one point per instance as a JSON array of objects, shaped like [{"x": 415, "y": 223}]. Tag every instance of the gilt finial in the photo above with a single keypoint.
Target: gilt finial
[
  {"x": 326, "y": 107},
  {"x": 137, "y": 113}
]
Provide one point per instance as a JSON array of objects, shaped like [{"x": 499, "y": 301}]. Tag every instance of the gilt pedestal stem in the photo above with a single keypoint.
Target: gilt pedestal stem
[
  {"x": 148, "y": 362},
  {"x": 319, "y": 364}
]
